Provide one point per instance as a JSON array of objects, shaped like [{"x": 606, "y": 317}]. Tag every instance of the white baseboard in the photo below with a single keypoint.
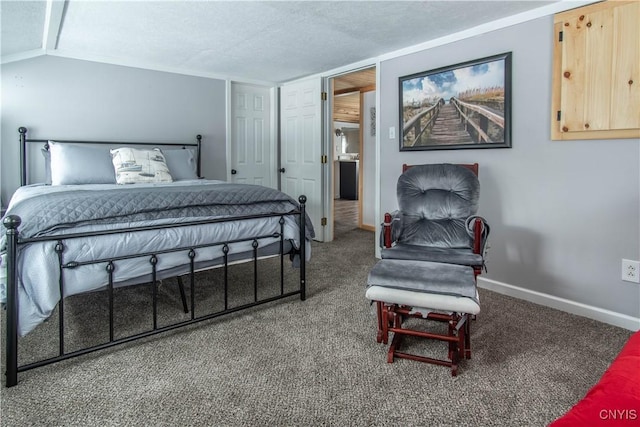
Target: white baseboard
[{"x": 591, "y": 312}]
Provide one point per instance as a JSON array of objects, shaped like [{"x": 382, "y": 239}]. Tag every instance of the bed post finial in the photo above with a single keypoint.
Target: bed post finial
[
  {"x": 11, "y": 223},
  {"x": 23, "y": 148},
  {"x": 303, "y": 242},
  {"x": 199, "y": 139}
]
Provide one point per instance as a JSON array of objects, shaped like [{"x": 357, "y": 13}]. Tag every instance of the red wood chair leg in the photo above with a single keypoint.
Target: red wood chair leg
[
  {"x": 385, "y": 323},
  {"x": 461, "y": 341},
  {"x": 452, "y": 345},
  {"x": 397, "y": 320},
  {"x": 380, "y": 334},
  {"x": 467, "y": 338},
  {"x": 395, "y": 344}
]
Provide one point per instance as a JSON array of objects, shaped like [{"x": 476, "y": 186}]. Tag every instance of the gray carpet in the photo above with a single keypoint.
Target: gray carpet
[{"x": 310, "y": 363}]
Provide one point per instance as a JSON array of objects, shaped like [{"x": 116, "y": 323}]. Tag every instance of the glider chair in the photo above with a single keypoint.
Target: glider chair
[{"x": 433, "y": 251}]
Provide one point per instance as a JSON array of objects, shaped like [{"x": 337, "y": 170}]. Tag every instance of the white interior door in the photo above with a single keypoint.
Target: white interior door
[
  {"x": 252, "y": 150},
  {"x": 301, "y": 146}
]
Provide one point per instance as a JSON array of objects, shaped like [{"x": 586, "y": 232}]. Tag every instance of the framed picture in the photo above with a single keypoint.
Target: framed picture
[{"x": 466, "y": 105}]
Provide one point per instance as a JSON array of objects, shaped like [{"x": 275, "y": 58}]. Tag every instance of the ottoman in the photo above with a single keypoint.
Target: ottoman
[{"x": 425, "y": 290}]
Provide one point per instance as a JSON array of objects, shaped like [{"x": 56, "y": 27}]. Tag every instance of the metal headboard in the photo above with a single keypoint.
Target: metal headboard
[{"x": 24, "y": 161}]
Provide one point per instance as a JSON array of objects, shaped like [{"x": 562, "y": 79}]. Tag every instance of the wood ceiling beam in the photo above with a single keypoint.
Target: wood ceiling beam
[
  {"x": 354, "y": 89},
  {"x": 52, "y": 23}
]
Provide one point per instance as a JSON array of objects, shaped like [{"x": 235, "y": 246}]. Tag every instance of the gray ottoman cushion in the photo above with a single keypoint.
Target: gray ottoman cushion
[{"x": 423, "y": 276}]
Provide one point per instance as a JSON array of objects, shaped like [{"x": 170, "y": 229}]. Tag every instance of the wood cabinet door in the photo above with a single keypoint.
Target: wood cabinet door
[{"x": 596, "y": 81}]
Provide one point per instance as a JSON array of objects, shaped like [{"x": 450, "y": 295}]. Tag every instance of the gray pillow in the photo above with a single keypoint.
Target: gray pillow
[
  {"x": 181, "y": 163},
  {"x": 79, "y": 164}
]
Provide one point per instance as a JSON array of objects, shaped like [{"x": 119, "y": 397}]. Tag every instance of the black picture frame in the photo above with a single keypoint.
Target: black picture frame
[{"x": 462, "y": 106}]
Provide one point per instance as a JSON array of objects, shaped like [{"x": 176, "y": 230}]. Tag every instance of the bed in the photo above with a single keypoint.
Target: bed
[{"x": 117, "y": 214}]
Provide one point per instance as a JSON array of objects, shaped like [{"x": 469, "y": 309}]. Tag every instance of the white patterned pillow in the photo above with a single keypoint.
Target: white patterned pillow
[{"x": 133, "y": 165}]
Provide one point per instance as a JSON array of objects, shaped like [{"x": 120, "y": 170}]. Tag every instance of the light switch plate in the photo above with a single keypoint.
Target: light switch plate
[{"x": 392, "y": 132}]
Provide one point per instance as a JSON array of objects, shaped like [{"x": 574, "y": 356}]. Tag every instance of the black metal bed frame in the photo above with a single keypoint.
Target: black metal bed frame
[
  {"x": 24, "y": 163},
  {"x": 12, "y": 223}
]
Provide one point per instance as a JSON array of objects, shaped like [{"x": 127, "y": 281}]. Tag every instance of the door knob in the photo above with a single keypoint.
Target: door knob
[
  {"x": 233, "y": 171},
  {"x": 282, "y": 170}
]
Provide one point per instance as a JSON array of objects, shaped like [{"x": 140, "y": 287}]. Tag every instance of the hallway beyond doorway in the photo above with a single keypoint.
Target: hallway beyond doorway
[{"x": 345, "y": 215}]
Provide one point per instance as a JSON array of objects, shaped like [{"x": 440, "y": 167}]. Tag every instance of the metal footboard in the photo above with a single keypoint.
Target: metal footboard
[{"x": 12, "y": 224}]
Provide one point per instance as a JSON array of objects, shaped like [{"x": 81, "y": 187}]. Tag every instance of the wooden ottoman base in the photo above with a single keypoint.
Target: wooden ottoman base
[
  {"x": 390, "y": 319},
  {"x": 424, "y": 290}
]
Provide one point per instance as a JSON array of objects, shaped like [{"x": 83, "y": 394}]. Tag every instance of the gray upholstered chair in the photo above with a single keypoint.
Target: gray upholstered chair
[
  {"x": 433, "y": 251},
  {"x": 436, "y": 218}
]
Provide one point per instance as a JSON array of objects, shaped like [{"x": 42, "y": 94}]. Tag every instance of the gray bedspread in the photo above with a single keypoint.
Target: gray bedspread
[
  {"x": 50, "y": 212},
  {"x": 62, "y": 210}
]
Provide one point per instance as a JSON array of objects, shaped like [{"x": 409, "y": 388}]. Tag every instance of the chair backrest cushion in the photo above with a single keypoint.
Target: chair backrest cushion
[{"x": 435, "y": 201}]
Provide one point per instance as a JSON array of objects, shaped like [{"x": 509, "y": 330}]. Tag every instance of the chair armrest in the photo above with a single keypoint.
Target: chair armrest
[
  {"x": 478, "y": 228},
  {"x": 391, "y": 228}
]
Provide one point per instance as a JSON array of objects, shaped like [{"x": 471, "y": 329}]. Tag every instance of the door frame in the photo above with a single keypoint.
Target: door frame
[
  {"x": 327, "y": 147},
  {"x": 327, "y": 150}
]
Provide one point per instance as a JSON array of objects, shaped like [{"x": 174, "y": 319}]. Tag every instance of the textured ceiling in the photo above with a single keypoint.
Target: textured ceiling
[
  {"x": 22, "y": 26},
  {"x": 271, "y": 41}
]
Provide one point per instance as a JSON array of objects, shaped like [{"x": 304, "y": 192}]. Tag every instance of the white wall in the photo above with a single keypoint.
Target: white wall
[
  {"x": 70, "y": 99},
  {"x": 562, "y": 214}
]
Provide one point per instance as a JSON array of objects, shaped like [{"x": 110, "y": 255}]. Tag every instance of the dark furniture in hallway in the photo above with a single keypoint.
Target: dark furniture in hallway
[{"x": 349, "y": 179}]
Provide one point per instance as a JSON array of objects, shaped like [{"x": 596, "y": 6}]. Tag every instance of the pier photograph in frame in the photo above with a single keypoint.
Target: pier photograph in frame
[{"x": 466, "y": 105}]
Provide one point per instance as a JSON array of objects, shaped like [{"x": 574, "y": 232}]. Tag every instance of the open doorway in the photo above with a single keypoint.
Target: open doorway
[{"x": 353, "y": 124}]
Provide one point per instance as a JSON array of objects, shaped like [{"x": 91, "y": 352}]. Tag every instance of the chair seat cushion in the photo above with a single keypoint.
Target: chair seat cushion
[
  {"x": 461, "y": 256},
  {"x": 423, "y": 302},
  {"x": 423, "y": 276}
]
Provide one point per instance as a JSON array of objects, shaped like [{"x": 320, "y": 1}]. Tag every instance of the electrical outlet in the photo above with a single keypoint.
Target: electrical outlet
[{"x": 630, "y": 271}]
